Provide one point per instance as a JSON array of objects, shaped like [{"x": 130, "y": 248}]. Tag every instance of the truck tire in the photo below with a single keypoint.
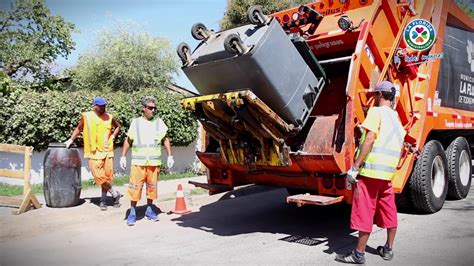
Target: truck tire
[
  {"x": 403, "y": 201},
  {"x": 459, "y": 157},
  {"x": 429, "y": 180}
]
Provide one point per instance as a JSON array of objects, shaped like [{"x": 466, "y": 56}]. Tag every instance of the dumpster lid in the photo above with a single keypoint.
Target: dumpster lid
[{"x": 60, "y": 145}]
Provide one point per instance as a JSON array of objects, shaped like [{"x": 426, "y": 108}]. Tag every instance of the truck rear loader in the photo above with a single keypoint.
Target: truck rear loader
[{"x": 285, "y": 110}]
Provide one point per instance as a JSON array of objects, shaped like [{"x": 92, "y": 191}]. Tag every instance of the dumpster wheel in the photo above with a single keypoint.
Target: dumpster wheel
[
  {"x": 255, "y": 15},
  {"x": 234, "y": 45},
  {"x": 199, "y": 31},
  {"x": 184, "y": 53}
]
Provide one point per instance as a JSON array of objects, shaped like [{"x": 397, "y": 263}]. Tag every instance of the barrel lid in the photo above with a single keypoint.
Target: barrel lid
[{"x": 60, "y": 145}]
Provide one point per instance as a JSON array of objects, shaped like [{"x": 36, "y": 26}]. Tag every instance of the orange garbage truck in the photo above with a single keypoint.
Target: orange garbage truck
[{"x": 283, "y": 98}]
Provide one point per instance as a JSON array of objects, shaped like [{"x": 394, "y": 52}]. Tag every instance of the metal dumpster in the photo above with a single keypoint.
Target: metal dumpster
[{"x": 271, "y": 67}]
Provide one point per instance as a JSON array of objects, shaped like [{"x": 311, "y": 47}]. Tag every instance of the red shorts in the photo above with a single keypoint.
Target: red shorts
[{"x": 373, "y": 197}]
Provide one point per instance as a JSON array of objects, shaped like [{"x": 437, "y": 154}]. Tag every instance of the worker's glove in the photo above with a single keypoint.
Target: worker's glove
[
  {"x": 68, "y": 143},
  {"x": 352, "y": 175},
  {"x": 123, "y": 162},
  {"x": 170, "y": 162}
]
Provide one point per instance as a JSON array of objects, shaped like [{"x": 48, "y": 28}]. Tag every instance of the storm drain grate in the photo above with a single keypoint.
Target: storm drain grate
[{"x": 308, "y": 241}]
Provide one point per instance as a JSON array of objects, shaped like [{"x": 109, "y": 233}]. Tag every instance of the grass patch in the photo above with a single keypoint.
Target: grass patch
[
  {"x": 12, "y": 190},
  {"x": 173, "y": 176}
]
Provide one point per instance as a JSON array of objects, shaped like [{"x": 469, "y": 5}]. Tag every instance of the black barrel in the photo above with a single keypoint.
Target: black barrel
[{"x": 62, "y": 176}]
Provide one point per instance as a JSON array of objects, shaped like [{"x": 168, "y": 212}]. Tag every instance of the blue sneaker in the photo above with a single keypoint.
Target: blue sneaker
[
  {"x": 132, "y": 217},
  {"x": 151, "y": 215}
]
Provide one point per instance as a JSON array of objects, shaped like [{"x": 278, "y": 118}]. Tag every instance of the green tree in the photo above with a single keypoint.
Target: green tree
[
  {"x": 38, "y": 117},
  {"x": 31, "y": 38},
  {"x": 236, "y": 11},
  {"x": 127, "y": 61},
  {"x": 465, "y": 7}
]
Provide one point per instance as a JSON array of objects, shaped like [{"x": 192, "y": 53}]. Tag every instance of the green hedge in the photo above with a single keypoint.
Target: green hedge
[{"x": 38, "y": 118}]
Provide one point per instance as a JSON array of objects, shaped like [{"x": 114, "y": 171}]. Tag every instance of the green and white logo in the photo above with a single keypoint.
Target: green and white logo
[{"x": 419, "y": 34}]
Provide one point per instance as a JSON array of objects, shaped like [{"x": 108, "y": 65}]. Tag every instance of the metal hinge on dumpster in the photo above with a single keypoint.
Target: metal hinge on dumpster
[{"x": 247, "y": 130}]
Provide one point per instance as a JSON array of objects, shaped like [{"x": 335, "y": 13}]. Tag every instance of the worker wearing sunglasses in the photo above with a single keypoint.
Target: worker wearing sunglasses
[{"x": 145, "y": 136}]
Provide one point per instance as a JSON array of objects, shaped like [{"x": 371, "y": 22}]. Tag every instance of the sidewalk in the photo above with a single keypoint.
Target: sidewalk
[
  {"x": 166, "y": 193},
  {"x": 166, "y": 190},
  {"x": 87, "y": 217}
]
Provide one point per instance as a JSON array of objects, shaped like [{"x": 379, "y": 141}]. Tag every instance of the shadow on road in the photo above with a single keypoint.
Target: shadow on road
[
  {"x": 405, "y": 204},
  {"x": 265, "y": 210},
  {"x": 96, "y": 201},
  {"x": 464, "y": 204},
  {"x": 140, "y": 209}
]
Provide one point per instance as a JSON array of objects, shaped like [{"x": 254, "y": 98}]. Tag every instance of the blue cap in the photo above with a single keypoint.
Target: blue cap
[
  {"x": 99, "y": 101},
  {"x": 384, "y": 86}
]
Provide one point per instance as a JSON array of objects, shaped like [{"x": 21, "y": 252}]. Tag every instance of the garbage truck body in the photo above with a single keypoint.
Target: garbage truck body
[{"x": 284, "y": 97}]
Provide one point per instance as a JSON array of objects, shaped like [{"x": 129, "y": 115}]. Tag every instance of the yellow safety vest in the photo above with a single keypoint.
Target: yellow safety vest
[
  {"x": 147, "y": 137},
  {"x": 96, "y": 133},
  {"x": 383, "y": 159}
]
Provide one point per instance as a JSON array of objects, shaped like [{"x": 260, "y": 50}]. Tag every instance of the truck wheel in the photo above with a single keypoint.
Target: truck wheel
[
  {"x": 184, "y": 53},
  {"x": 199, "y": 31},
  {"x": 403, "y": 200},
  {"x": 429, "y": 181},
  {"x": 459, "y": 168},
  {"x": 255, "y": 15},
  {"x": 234, "y": 45}
]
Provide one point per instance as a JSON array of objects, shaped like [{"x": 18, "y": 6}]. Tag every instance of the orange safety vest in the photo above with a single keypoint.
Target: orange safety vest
[{"x": 96, "y": 133}]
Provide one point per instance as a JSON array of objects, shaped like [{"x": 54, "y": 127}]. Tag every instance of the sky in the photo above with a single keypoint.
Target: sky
[{"x": 161, "y": 18}]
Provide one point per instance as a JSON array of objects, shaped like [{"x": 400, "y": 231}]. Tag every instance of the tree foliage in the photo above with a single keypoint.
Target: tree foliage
[
  {"x": 236, "y": 11},
  {"x": 465, "y": 7},
  {"x": 31, "y": 38},
  {"x": 125, "y": 60},
  {"x": 37, "y": 118}
]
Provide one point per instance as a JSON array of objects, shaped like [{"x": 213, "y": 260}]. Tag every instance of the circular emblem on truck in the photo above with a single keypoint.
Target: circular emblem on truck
[{"x": 419, "y": 34}]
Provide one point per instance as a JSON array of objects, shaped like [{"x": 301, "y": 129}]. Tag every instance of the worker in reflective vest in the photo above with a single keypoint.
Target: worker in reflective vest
[
  {"x": 372, "y": 172},
  {"x": 145, "y": 136},
  {"x": 99, "y": 130}
]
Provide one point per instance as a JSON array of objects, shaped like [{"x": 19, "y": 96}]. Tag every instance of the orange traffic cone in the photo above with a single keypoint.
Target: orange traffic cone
[{"x": 180, "y": 206}]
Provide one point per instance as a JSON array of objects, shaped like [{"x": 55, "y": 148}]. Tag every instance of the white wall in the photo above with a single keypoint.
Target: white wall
[{"x": 185, "y": 157}]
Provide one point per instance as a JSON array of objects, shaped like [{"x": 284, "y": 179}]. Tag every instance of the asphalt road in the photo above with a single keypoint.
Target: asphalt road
[{"x": 252, "y": 225}]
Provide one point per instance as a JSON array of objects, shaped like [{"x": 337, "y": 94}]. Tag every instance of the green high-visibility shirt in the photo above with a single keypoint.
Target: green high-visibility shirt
[
  {"x": 146, "y": 136},
  {"x": 383, "y": 159}
]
